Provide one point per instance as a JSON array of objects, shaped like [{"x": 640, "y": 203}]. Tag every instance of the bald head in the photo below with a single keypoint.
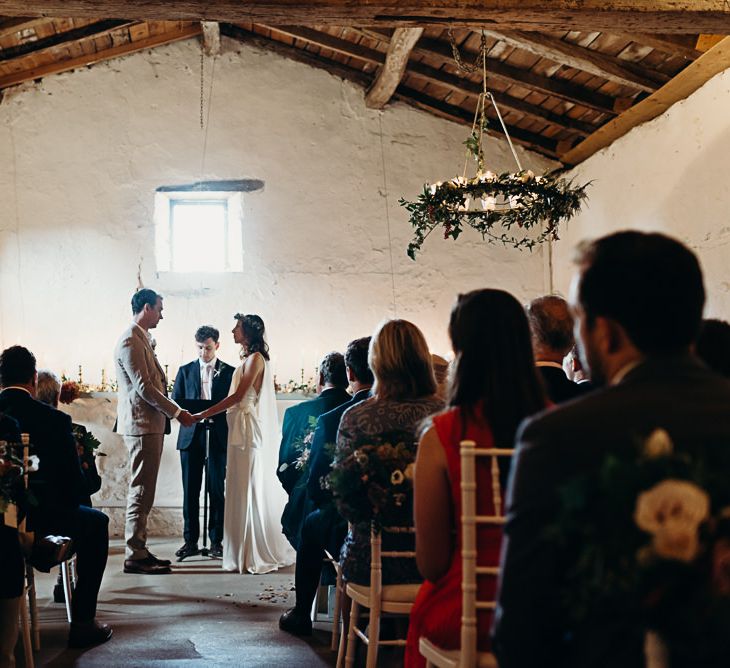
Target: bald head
[{"x": 551, "y": 325}]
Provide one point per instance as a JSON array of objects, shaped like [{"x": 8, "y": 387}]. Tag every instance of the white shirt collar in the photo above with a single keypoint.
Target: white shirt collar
[
  {"x": 624, "y": 371},
  {"x": 205, "y": 364},
  {"x": 553, "y": 364},
  {"x": 17, "y": 387}
]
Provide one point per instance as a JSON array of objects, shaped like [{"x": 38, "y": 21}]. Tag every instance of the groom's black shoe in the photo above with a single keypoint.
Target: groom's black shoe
[
  {"x": 216, "y": 551},
  {"x": 295, "y": 622},
  {"x": 159, "y": 562},
  {"x": 145, "y": 566},
  {"x": 187, "y": 550}
]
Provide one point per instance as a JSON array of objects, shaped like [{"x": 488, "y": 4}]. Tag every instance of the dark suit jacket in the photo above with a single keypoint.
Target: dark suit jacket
[
  {"x": 296, "y": 422},
  {"x": 677, "y": 394},
  {"x": 187, "y": 386},
  {"x": 59, "y": 485},
  {"x": 320, "y": 458},
  {"x": 557, "y": 385}
]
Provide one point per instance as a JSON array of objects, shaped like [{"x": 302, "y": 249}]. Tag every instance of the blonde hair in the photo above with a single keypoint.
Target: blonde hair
[{"x": 400, "y": 362}]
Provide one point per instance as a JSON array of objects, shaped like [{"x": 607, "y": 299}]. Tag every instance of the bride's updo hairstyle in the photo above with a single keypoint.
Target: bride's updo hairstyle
[{"x": 253, "y": 331}]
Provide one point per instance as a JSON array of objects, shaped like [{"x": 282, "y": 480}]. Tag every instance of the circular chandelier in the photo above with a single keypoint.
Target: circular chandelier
[{"x": 517, "y": 209}]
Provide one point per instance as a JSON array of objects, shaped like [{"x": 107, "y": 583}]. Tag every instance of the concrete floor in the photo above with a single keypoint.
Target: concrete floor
[{"x": 197, "y": 616}]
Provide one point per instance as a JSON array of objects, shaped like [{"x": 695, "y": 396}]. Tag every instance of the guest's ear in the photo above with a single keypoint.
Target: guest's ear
[{"x": 615, "y": 336}]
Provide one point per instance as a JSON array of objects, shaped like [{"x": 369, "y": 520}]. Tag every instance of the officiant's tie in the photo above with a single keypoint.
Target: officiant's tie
[{"x": 205, "y": 386}]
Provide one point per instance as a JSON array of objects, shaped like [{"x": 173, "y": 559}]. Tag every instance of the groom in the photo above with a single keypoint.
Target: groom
[
  {"x": 143, "y": 418},
  {"x": 205, "y": 378}
]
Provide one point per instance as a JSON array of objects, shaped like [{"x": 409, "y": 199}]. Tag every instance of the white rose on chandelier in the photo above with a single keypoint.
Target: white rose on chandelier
[{"x": 672, "y": 512}]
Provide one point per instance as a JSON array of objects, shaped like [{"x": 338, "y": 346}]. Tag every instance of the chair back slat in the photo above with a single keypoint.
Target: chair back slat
[{"x": 469, "y": 521}]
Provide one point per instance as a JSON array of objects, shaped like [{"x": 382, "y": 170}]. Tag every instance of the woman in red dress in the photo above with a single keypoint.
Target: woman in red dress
[{"x": 494, "y": 387}]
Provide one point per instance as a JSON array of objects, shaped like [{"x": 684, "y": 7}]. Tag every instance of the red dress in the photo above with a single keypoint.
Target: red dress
[{"x": 436, "y": 614}]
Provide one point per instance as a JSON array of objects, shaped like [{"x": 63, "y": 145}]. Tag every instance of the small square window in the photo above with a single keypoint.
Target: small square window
[{"x": 198, "y": 232}]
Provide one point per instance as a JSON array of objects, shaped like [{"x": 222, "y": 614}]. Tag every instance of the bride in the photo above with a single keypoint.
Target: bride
[{"x": 252, "y": 538}]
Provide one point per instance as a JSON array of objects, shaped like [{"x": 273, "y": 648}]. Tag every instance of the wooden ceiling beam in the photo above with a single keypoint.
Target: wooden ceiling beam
[
  {"x": 15, "y": 25},
  {"x": 555, "y": 87},
  {"x": 581, "y": 58},
  {"x": 391, "y": 73},
  {"x": 106, "y": 54},
  {"x": 692, "y": 77},
  {"x": 451, "y": 112},
  {"x": 662, "y": 16},
  {"x": 433, "y": 75},
  {"x": 77, "y": 34},
  {"x": 681, "y": 45},
  {"x": 403, "y": 93}
]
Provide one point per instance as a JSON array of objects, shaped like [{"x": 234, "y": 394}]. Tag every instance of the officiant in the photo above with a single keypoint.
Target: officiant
[{"x": 206, "y": 378}]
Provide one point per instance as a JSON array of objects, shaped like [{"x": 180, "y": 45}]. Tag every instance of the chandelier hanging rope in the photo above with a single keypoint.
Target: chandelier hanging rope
[{"x": 516, "y": 209}]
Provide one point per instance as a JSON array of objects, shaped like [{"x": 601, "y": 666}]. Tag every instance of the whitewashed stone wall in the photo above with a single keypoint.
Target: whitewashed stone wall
[
  {"x": 669, "y": 175},
  {"x": 83, "y": 152}
]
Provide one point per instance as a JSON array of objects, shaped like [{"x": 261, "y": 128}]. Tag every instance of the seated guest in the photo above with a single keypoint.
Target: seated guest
[
  {"x": 713, "y": 345},
  {"x": 638, "y": 302},
  {"x": 404, "y": 394},
  {"x": 324, "y": 528},
  {"x": 575, "y": 370},
  {"x": 59, "y": 488},
  {"x": 332, "y": 387},
  {"x": 48, "y": 390},
  {"x": 12, "y": 568},
  {"x": 494, "y": 387},
  {"x": 552, "y": 338}
]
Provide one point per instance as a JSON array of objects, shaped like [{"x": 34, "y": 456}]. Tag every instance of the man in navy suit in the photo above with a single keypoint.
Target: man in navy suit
[
  {"x": 58, "y": 487},
  {"x": 324, "y": 528},
  {"x": 205, "y": 378},
  {"x": 638, "y": 302},
  {"x": 332, "y": 383}
]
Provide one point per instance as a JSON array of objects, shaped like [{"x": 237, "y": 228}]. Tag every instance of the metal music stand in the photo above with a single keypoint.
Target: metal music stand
[{"x": 198, "y": 406}]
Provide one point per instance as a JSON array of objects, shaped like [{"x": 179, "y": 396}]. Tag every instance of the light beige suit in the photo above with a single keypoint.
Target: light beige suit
[{"x": 143, "y": 414}]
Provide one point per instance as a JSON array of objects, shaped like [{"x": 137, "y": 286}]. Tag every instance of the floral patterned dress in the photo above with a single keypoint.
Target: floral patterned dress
[{"x": 370, "y": 422}]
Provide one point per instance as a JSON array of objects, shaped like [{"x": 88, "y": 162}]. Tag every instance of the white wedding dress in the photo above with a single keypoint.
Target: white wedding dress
[{"x": 252, "y": 537}]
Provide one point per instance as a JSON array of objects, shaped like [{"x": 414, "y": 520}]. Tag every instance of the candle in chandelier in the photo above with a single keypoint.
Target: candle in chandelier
[
  {"x": 302, "y": 375},
  {"x": 81, "y": 375},
  {"x": 166, "y": 376},
  {"x": 103, "y": 381}
]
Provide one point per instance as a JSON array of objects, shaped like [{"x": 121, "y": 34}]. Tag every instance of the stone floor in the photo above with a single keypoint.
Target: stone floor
[{"x": 197, "y": 616}]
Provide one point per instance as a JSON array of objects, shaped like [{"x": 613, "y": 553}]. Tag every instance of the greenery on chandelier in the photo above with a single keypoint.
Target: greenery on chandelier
[
  {"x": 502, "y": 208},
  {"x": 515, "y": 209}
]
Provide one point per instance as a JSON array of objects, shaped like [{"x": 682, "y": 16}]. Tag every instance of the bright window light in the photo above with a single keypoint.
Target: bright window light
[
  {"x": 198, "y": 232},
  {"x": 198, "y": 235}
]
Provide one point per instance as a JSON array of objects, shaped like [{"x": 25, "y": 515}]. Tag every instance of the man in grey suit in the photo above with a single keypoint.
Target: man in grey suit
[
  {"x": 143, "y": 418},
  {"x": 638, "y": 302}
]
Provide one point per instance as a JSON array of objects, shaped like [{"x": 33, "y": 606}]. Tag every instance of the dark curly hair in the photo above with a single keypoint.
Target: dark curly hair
[{"x": 253, "y": 331}]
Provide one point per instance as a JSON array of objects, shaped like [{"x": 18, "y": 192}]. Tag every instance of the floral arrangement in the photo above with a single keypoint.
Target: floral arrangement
[
  {"x": 660, "y": 554},
  {"x": 305, "y": 387},
  {"x": 70, "y": 391},
  {"x": 496, "y": 206},
  {"x": 374, "y": 483},
  {"x": 303, "y": 446},
  {"x": 12, "y": 490},
  {"x": 86, "y": 442}
]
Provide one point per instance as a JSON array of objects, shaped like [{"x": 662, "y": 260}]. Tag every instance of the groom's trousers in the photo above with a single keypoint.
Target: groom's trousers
[{"x": 145, "y": 453}]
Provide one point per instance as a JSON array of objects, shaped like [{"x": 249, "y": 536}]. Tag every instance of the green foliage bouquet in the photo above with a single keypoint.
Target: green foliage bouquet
[
  {"x": 374, "y": 483},
  {"x": 649, "y": 539}
]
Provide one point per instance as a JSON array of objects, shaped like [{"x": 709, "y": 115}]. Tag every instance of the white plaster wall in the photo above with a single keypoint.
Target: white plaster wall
[
  {"x": 669, "y": 175},
  {"x": 82, "y": 153}
]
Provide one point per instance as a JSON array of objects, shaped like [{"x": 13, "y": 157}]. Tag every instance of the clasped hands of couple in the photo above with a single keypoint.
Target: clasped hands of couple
[{"x": 187, "y": 419}]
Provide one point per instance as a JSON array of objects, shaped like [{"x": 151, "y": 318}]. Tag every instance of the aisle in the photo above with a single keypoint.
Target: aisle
[{"x": 197, "y": 616}]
